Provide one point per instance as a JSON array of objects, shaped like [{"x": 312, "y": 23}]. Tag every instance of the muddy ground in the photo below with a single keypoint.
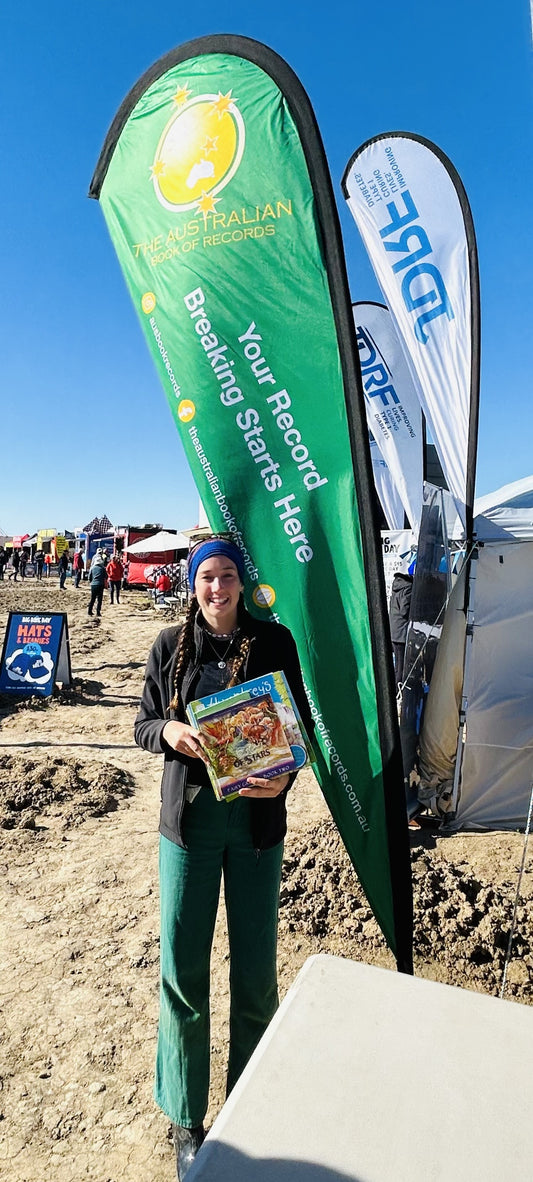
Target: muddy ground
[{"x": 79, "y": 910}]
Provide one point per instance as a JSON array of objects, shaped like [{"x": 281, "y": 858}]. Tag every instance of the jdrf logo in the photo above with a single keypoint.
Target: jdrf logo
[
  {"x": 376, "y": 377},
  {"x": 413, "y": 243}
]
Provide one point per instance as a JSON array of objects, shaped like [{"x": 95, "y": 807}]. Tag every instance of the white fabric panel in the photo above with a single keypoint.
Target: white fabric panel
[
  {"x": 498, "y": 754},
  {"x": 393, "y": 411},
  {"x": 388, "y": 494},
  {"x": 408, "y": 213}
]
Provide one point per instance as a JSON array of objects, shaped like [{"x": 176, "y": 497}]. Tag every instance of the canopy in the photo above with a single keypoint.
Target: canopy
[
  {"x": 506, "y": 511},
  {"x": 158, "y": 543}
]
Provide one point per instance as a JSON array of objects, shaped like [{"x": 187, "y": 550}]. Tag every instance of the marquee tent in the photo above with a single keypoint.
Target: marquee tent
[
  {"x": 160, "y": 543},
  {"x": 476, "y": 741},
  {"x": 506, "y": 512}
]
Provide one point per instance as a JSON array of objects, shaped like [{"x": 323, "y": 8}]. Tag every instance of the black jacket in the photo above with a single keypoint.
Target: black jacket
[
  {"x": 272, "y": 647},
  {"x": 400, "y": 604}
]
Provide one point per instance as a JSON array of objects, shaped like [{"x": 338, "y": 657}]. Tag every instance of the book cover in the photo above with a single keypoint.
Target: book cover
[{"x": 251, "y": 729}]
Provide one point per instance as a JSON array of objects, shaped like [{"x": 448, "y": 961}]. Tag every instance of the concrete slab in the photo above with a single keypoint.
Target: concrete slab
[{"x": 372, "y": 1076}]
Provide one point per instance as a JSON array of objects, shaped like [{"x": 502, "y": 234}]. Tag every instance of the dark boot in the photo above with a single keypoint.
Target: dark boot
[{"x": 186, "y": 1143}]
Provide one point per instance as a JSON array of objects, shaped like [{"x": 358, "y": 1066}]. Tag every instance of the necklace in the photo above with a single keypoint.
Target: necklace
[{"x": 221, "y": 657}]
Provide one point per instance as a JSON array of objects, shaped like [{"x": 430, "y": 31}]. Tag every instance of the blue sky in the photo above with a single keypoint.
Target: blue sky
[{"x": 85, "y": 426}]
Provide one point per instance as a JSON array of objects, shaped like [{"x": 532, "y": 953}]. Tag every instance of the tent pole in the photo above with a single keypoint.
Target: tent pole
[{"x": 461, "y": 738}]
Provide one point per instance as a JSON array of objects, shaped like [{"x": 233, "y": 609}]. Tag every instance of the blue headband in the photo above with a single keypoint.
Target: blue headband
[{"x": 208, "y": 550}]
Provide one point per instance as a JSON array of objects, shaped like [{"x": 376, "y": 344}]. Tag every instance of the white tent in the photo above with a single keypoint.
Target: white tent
[
  {"x": 476, "y": 743},
  {"x": 159, "y": 543},
  {"x": 508, "y": 511}
]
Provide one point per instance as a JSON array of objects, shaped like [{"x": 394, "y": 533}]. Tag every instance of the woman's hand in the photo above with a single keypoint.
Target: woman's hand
[
  {"x": 184, "y": 739},
  {"x": 265, "y": 789}
]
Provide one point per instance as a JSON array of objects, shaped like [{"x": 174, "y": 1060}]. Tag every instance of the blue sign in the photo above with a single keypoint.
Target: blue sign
[{"x": 35, "y": 654}]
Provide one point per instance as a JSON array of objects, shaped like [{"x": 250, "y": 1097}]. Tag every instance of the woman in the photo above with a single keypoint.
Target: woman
[
  {"x": 115, "y": 571},
  {"x": 202, "y": 838}
]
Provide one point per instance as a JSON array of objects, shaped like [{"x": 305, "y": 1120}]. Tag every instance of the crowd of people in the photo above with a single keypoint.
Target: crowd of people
[
  {"x": 104, "y": 571},
  {"x": 14, "y": 564},
  {"x": 17, "y": 562}
]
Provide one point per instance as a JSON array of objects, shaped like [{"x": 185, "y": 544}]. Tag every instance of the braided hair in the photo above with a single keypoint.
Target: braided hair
[
  {"x": 185, "y": 651},
  {"x": 185, "y": 654}
]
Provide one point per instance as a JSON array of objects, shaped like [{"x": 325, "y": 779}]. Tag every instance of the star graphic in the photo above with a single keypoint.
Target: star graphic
[
  {"x": 207, "y": 204},
  {"x": 181, "y": 95},
  {"x": 210, "y": 144},
  {"x": 223, "y": 103},
  {"x": 157, "y": 169}
]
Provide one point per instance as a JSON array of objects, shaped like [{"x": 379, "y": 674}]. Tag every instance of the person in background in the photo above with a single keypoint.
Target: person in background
[
  {"x": 23, "y": 563},
  {"x": 163, "y": 586},
  {"x": 78, "y": 567},
  {"x": 39, "y": 563},
  {"x": 115, "y": 571},
  {"x": 63, "y": 568},
  {"x": 203, "y": 839},
  {"x": 3, "y": 563},
  {"x": 99, "y": 556},
  {"x": 399, "y": 608},
  {"x": 47, "y": 564},
  {"x": 15, "y": 563},
  {"x": 97, "y": 580}
]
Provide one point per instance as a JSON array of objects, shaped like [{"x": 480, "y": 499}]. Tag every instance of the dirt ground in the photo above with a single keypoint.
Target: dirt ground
[{"x": 79, "y": 908}]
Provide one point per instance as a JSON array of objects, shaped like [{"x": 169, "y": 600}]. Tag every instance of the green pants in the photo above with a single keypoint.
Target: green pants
[{"x": 218, "y": 839}]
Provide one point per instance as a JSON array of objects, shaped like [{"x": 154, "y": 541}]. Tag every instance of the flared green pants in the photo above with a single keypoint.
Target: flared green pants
[{"x": 218, "y": 839}]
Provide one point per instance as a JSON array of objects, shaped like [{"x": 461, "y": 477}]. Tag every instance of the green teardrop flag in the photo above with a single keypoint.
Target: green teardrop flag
[{"x": 216, "y": 192}]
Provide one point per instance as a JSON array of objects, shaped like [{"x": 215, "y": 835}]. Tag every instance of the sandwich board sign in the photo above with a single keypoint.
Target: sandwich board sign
[{"x": 35, "y": 654}]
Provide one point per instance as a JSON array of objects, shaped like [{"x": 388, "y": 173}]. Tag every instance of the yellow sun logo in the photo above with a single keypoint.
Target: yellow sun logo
[
  {"x": 148, "y": 302},
  {"x": 199, "y": 151},
  {"x": 264, "y": 595},
  {"x": 186, "y": 410}
]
